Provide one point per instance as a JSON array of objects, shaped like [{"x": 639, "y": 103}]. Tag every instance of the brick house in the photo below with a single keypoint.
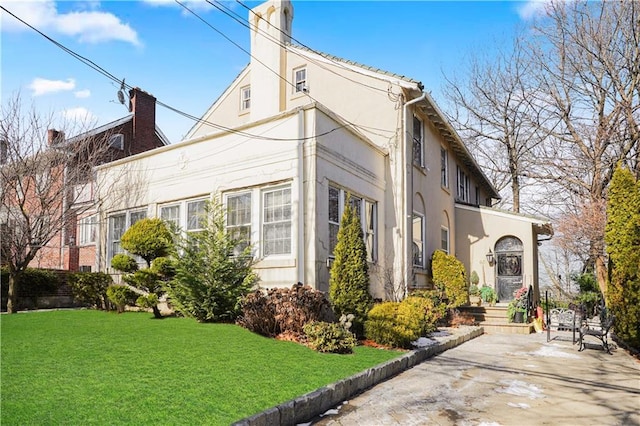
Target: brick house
[{"x": 74, "y": 248}]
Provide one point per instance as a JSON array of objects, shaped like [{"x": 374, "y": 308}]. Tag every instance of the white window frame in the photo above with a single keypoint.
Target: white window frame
[
  {"x": 444, "y": 239},
  {"x": 418, "y": 141},
  {"x": 87, "y": 230},
  {"x": 300, "y": 79},
  {"x": 462, "y": 187},
  {"x": 444, "y": 167},
  {"x": 420, "y": 244},
  {"x": 369, "y": 223},
  {"x": 280, "y": 224},
  {"x": 245, "y": 98}
]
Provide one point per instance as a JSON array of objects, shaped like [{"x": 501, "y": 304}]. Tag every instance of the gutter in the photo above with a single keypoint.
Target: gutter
[{"x": 407, "y": 186}]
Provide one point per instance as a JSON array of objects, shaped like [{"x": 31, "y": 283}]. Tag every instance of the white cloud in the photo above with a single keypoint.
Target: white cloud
[
  {"x": 85, "y": 93},
  {"x": 532, "y": 8},
  {"x": 191, "y": 4},
  {"x": 79, "y": 116},
  {"x": 90, "y": 26},
  {"x": 42, "y": 86}
]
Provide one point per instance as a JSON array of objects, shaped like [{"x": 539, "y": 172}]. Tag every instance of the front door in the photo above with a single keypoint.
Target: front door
[{"x": 509, "y": 267}]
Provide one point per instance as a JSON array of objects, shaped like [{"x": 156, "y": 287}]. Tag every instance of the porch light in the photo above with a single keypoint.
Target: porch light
[{"x": 490, "y": 258}]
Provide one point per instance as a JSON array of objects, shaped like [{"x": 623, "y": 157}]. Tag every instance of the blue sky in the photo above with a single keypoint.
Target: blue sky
[{"x": 158, "y": 47}]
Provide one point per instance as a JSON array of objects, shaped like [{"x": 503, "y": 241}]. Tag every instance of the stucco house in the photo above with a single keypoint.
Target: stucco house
[{"x": 296, "y": 136}]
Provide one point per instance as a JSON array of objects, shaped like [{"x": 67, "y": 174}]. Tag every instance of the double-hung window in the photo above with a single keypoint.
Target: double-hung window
[
  {"x": 276, "y": 221},
  {"x": 88, "y": 230},
  {"x": 462, "y": 185},
  {"x": 444, "y": 168},
  {"x": 245, "y": 98},
  {"x": 365, "y": 210},
  {"x": 418, "y": 156},
  {"x": 239, "y": 219},
  {"x": 300, "y": 79},
  {"x": 444, "y": 239}
]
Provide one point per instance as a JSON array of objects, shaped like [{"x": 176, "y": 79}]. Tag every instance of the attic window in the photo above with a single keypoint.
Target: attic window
[
  {"x": 245, "y": 98},
  {"x": 117, "y": 141},
  {"x": 300, "y": 79}
]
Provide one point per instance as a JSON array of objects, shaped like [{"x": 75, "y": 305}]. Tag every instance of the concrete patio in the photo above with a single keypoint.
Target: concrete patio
[{"x": 504, "y": 379}]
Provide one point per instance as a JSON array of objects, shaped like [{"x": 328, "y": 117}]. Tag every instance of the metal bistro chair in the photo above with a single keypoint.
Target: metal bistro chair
[{"x": 601, "y": 333}]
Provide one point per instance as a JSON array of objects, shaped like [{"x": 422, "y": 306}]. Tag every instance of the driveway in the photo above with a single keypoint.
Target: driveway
[{"x": 502, "y": 379}]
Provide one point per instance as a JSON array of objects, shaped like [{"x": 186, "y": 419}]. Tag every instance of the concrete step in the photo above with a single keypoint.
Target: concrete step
[{"x": 494, "y": 320}]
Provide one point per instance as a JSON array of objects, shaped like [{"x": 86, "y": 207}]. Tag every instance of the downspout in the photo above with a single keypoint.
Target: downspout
[
  {"x": 301, "y": 201},
  {"x": 407, "y": 210}
]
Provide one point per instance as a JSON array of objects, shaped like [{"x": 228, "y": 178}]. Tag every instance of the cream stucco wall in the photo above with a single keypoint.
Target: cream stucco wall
[{"x": 478, "y": 231}]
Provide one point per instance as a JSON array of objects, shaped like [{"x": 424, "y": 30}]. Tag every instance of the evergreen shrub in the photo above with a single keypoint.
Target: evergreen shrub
[
  {"x": 90, "y": 288},
  {"x": 622, "y": 237},
  {"x": 121, "y": 296},
  {"x": 329, "y": 337},
  {"x": 449, "y": 278},
  {"x": 397, "y": 324},
  {"x": 349, "y": 275}
]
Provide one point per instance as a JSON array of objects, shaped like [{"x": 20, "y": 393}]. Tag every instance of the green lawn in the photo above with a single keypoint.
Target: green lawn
[{"x": 92, "y": 367}]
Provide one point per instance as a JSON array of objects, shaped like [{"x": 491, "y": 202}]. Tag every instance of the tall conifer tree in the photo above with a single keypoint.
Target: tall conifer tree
[
  {"x": 349, "y": 281},
  {"x": 623, "y": 246}
]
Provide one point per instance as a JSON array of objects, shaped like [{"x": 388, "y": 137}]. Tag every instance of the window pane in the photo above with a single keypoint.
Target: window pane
[
  {"x": 171, "y": 215},
  {"x": 417, "y": 140},
  {"x": 418, "y": 242},
  {"x": 334, "y": 205},
  {"x": 196, "y": 216},
  {"x": 136, "y": 216},
  {"x": 444, "y": 239},
  {"x": 444, "y": 160},
  {"x": 369, "y": 229}
]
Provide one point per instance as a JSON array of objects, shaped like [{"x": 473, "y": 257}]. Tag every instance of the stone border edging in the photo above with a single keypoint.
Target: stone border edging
[{"x": 310, "y": 405}]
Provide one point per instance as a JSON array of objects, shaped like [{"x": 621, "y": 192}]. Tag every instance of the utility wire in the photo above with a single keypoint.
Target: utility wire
[
  {"x": 104, "y": 72},
  {"x": 326, "y": 56},
  {"x": 362, "y": 128}
]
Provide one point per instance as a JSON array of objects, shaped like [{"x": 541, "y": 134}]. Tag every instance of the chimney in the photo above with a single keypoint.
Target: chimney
[
  {"x": 54, "y": 137},
  {"x": 270, "y": 21},
  {"x": 143, "y": 107}
]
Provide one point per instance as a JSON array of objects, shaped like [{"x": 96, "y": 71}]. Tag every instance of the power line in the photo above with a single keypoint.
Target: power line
[{"x": 271, "y": 38}]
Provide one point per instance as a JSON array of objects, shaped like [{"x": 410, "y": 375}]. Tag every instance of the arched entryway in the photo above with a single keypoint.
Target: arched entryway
[{"x": 508, "y": 267}]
